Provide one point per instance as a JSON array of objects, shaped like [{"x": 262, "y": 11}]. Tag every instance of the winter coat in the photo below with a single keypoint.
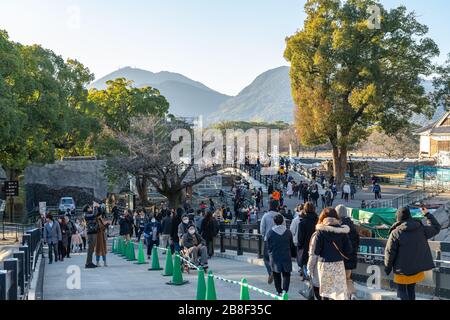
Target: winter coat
[
  {"x": 280, "y": 245},
  {"x": 148, "y": 229},
  {"x": 126, "y": 225},
  {"x": 407, "y": 251},
  {"x": 306, "y": 228},
  {"x": 100, "y": 246},
  {"x": 267, "y": 223},
  {"x": 166, "y": 225},
  {"x": 209, "y": 229},
  {"x": 353, "y": 235},
  {"x": 183, "y": 229},
  {"x": 198, "y": 222},
  {"x": 312, "y": 262},
  {"x": 332, "y": 243},
  {"x": 91, "y": 225},
  {"x": 188, "y": 240},
  {"x": 294, "y": 229},
  {"x": 53, "y": 234},
  {"x": 176, "y": 220}
]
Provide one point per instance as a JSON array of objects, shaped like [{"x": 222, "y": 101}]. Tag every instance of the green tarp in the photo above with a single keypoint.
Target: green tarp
[{"x": 372, "y": 218}]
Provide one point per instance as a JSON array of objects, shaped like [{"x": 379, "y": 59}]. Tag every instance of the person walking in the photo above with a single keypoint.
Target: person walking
[
  {"x": 281, "y": 250},
  {"x": 152, "y": 232},
  {"x": 376, "y": 189},
  {"x": 71, "y": 230},
  {"x": 100, "y": 244},
  {"x": 62, "y": 246},
  {"x": 352, "y": 261},
  {"x": 52, "y": 236},
  {"x": 174, "y": 239},
  {"x": 126, "y": 225},
  {"x": 314, "y": 194},
  {"x": 141, "y": 222},
  {"x": 90, "y": 215},
  {"x": 209, "y": 229},
  {"x": 407, "y": 251},
  {"x": 115, "y": 213},
  {"x": 299, "y": 213},
  {"x": 266, "y": 225},
  {"x": 352, "y": 190},
  {"x": 290, "y": 190},
  {"x": 332, "y": 246},
  {"x": 306, "y": 229},
  {"x": 166, "y": 228},
  {"x": 346, "y": 190},
  {"x": 77, "y": 242},
  {"x": 312, "y": 273}
]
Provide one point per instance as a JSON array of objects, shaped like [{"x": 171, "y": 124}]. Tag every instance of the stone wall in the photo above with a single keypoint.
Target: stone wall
[{"x": 84, "y": 180}]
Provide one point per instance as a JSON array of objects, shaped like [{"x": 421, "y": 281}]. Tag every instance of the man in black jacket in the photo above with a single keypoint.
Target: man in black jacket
[
  {"x": 407, "y": 251},
  {"x": 91, "y": 230}
]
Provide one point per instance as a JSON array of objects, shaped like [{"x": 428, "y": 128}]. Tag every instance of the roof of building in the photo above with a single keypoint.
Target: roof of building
[{"x": 435, "y": 127}]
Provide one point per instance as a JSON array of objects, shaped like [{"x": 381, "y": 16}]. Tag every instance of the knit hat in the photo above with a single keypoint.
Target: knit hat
[
  {"x": 403, "y": 214},
  {"x": 341, "y": 211}
]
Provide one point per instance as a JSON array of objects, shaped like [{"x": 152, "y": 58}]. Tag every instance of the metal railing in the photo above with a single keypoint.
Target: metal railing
[{"x": 17, "y": 266}]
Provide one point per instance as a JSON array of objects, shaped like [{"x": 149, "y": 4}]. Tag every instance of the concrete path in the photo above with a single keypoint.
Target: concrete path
[{"x": 123, "y": 280}]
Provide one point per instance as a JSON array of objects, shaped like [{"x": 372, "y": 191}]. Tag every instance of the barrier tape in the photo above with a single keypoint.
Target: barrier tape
[{"x": 264, "y": 292}]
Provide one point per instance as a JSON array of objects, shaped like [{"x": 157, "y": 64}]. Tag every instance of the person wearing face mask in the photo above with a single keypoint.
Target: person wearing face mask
[
  {"x": 196, "y": 246},
  {"x": 183, "y": 227},
  {"x": 152, "y": 232}
]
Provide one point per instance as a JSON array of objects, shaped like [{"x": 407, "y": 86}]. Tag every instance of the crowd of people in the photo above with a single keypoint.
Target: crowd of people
[
  {"x": 326, "y": 245},
  {"x": 323, "y": 241},
  {"x": 64, "y": 236}
]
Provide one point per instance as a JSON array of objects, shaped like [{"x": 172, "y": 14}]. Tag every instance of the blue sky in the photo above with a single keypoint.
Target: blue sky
[{"x": 223, "y": 43}]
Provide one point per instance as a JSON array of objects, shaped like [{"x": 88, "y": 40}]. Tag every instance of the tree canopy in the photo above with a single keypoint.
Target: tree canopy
[
  {"x": 347, "y": 76},
  {"x": 43, "y": 102}
]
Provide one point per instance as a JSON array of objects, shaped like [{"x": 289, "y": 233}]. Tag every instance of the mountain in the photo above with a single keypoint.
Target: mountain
[
  {"x": 267, "y": 98},
  {"x": 187, "y": 98}
]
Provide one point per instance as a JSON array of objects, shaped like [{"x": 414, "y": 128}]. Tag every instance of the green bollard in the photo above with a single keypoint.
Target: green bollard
[
  {"x": 245, "y": 295},
  {"x": 131, "y": 252},
  {"x": 201, "y": 285},
  {"x": 155, "y": 260},
  {"x": 141, "y": 254},
  {"x": 168, "y": 271},
  {"x": 177, "y": 277},
  {"x": 211, "y": 288}
]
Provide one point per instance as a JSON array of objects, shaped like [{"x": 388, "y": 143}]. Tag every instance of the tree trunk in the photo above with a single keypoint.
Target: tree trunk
[
  {"x": 339, "y": 164},
  {"x": 175, "y": 199},
  {"x": 142, "y": 189}
]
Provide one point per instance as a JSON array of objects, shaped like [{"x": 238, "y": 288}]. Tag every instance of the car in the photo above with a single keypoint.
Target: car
[{"x": 67, "y": 205}]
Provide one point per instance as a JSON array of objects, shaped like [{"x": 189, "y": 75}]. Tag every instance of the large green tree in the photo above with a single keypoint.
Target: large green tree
[
  {"x": 348, "y": 75},
  {"x": 43, "y": 98}
]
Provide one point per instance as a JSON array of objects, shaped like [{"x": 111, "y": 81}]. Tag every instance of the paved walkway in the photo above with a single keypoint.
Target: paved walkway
[{"x": 123, "y": 280}]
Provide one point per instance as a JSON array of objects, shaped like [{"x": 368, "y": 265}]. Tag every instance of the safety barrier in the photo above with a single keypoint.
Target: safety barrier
[
  {"x": 205, "y": 289},
  {"x": 18, "y": 266}
]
